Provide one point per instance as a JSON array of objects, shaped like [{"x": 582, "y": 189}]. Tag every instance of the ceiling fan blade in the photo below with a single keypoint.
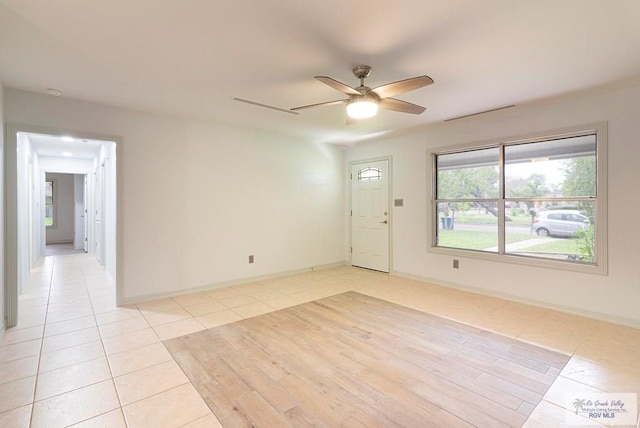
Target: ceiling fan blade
[
  {"x": 328, "y": 103},
  {"x": 401, "y": 106},
  {"x": 337, "y": 85},
  {"x": 402, "y": 86}
]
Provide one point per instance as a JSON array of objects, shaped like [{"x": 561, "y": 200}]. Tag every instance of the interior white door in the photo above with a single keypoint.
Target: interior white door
[
  {"x": 370, "y": 215},
  {"x": 97, "y": 188}
]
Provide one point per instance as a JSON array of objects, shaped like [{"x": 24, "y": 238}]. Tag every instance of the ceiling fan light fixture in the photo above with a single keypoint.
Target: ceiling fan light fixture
[{"x": 362, "y": 108}]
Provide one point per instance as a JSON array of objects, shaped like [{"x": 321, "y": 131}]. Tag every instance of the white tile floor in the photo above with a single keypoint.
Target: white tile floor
[{"x": 75, "y": 359}]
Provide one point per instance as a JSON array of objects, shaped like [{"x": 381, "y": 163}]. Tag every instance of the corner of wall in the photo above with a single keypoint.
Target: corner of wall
[{"x": 2, "y": 239}]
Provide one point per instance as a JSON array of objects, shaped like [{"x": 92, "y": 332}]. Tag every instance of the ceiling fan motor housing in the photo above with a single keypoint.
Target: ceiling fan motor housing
[
  {"x": 365, "y": 95},
  {"x": 361, "y": 71}
]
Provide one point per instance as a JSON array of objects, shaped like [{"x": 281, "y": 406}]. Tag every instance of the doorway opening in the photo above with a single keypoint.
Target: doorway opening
[
  {"x": 65, "y": 214},
  {"x": 62, "y": 198}
]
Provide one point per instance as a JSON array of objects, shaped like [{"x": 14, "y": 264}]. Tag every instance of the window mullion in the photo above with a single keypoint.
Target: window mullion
[{"x": 501, "y": 204}]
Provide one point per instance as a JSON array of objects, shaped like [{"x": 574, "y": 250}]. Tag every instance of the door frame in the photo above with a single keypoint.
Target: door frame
[
  {"x": 11, "y": 209},
  {"x": 85, "y": 215},
  {"x": 99, "y": 202},
  {"x": 390, "y": 197}
]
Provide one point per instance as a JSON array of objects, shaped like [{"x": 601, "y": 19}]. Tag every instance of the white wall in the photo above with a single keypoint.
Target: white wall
[
  {"x": 65, "y": 165},
  {"x": 199, "y": 197},
  {"x": 616, "y": 296},
  {"x": 2, "y": 239},
  {"x": 64, "y": 216}
]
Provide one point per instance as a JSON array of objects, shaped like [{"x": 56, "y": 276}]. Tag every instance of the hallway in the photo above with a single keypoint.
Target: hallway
[{"x": 76, "y": 358}]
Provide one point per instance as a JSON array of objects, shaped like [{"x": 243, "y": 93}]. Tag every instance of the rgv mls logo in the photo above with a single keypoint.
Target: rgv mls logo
[{"x": 603, "y": 408}]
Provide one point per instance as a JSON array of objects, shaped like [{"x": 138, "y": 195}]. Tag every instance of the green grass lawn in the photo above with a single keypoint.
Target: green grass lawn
[
  {"x": 475, "y": 240},
  {"x": 490, "y": 219},
  {"x": 48, "y": 221}
]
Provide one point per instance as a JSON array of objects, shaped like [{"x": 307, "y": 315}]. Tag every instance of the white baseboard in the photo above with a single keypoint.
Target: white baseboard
[
  {"x": 506, "y": 296},
  {"x": 208, "y": 287}
]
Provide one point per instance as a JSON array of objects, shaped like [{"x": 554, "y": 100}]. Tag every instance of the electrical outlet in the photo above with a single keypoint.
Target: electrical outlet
[
  {"x": 456, "y": 264},
  {"x": 251, "y": 258}
]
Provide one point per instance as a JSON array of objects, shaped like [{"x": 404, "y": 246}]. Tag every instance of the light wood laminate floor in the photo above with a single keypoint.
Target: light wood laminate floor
[{"x": 354, "y": 360}]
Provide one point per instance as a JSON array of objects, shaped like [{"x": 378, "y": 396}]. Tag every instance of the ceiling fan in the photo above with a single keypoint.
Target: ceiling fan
[{"x": 363, "y": 102}]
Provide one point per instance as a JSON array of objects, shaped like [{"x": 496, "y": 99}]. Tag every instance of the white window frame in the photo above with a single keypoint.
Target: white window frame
[{"x": 601, "y": 265}]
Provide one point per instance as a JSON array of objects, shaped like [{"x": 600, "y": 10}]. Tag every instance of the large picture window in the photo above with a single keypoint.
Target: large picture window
[{"x": 535, "y": 201}]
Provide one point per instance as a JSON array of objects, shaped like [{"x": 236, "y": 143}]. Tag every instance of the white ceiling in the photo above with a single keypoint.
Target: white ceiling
[
  {"x": 48, "y": 145},
  {"x": 192, "y": 57}
]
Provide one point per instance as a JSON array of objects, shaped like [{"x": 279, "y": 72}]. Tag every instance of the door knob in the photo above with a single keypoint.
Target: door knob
[{"x": 384, "y": 222}]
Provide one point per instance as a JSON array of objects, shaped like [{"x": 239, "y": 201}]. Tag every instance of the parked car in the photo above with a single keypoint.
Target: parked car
[{"x": 560, "y": 223}]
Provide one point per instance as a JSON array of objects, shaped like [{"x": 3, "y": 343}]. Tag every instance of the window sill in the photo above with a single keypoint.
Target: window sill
[{"x": 593, "y": 269}]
